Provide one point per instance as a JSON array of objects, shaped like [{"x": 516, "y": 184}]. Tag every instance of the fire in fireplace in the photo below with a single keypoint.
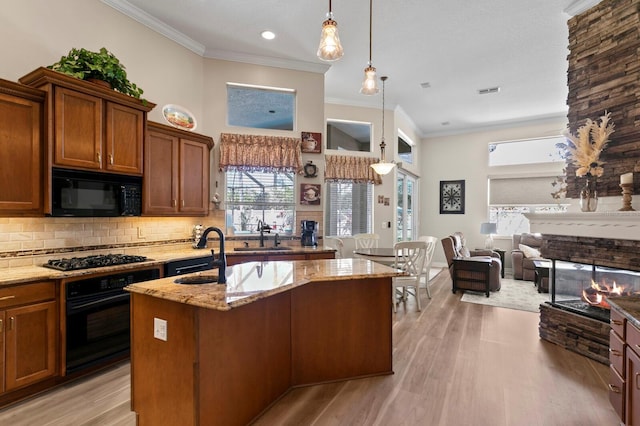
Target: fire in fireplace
[{"x": 586, "y": 289}]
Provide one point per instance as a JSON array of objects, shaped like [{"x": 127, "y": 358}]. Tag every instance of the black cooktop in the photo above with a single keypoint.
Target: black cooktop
[{"x": 97, "y": 261}]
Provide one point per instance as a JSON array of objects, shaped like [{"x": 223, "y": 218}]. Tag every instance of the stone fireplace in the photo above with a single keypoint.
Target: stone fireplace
[{"x": 599, "y": 247}]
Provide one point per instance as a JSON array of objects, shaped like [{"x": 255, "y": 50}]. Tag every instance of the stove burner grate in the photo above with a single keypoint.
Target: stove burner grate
[{"x": 96, "y": 261}]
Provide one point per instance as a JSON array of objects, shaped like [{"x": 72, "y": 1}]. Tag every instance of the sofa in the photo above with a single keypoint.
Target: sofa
[
  {"x": 526, "y": 249},
  {"x": 464, "y": 266}
]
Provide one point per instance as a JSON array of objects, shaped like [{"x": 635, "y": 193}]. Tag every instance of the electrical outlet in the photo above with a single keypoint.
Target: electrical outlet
[
  {"x": 160, "y": 329},
  {"x": 384, "y": 224},
  {"x": 140, "y": 233}
]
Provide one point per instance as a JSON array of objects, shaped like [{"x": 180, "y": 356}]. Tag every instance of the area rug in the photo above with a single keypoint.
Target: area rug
[{"x": 513, "y": 294}]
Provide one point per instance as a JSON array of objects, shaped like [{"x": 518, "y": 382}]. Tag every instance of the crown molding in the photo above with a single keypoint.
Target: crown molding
[
  {"x": 268, "y": 61},
  {"x": 149, "y": 21},
  {"x": 576, "y": 7}
]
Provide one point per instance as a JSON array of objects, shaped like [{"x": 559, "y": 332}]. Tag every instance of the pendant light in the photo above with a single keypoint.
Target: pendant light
[
  {"x": 370, "y": 83},
  {"x": 330, "y": 48},
  {"x": 382, "y": 167}
]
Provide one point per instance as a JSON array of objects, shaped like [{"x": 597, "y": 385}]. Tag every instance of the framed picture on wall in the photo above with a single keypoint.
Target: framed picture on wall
[
  {"x": 310, "y": 194},
  {"x": 311, "y": 142},
  {"x": 452, "y": 197}
]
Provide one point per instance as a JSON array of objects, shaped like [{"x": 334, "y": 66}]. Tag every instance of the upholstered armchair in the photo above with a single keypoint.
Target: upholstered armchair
[
  {"x": 526, "y": 249},
  {"x": 477, "y": 270}
]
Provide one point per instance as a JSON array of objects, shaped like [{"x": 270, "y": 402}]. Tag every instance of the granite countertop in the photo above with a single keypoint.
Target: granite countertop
[
  {"x": 251, "y": 281},
  {"x": 629, "y": 306},
  {"x": 157, "y": 256}
]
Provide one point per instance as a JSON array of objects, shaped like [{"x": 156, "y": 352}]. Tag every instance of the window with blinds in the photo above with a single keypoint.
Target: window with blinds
[
  {"x": 348, "y": 209},
  {"x": 254, "y": 196}
]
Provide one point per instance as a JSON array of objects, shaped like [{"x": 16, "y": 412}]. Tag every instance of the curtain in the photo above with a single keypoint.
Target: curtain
[
  {"x": 260, "y": 153},
  {"x": 342, "y": 168}
]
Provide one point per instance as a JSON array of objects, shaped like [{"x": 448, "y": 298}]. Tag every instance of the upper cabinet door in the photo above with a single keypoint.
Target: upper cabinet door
[
  {"x": 78, "y": 130},
  {"x": 22, "y": 150},
  {"x": 194, "y": 177},
  {"x": 124, "y": 139}
]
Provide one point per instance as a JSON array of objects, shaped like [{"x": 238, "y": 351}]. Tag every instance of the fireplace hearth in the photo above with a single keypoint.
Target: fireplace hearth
[{"x": 594, "y": 254}]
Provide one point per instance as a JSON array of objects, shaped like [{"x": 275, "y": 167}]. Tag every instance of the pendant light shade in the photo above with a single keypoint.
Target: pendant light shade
[
  {"x": 382, "y": 167},
  {"x": 330, "y": 48},
  {"x": 370, "y": 83}
]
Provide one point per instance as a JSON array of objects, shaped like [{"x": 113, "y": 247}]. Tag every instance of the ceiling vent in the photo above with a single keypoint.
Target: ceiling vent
[{"x": 489, "y": 90}]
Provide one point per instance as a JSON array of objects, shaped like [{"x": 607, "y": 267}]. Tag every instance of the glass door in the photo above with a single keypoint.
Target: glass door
[{"x": 407, "y": 190}]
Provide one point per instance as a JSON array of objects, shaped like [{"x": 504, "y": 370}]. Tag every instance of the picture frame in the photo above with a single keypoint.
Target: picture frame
[
  {"x": 311, "y": 142},
  {"x": 310, "y": 194},
  {"x": 452, "y": 197}
]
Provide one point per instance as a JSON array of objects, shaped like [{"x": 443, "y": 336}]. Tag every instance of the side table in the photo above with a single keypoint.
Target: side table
[{"x": 542, "y": 275}]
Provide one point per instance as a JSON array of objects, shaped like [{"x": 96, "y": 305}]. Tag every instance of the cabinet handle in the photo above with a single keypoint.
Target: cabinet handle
[
  {"x": 99, "y": 158},
  {"x": 614, "y": 389},
  {"x": 615, "y": 352},
  {"x": 1, "y": 326},
  {"x": 8, "y": 297},
  {"x": 616, "y": 322},
  {"x": 12, "y": 321},
  {"x": 173, "y": 203},
  {"x": 111, "y": 159},
  {"x": 182, "y": 203}
]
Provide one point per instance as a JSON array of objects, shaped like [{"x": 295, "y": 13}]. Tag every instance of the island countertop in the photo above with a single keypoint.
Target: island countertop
[{"x": 248, "y": 282}]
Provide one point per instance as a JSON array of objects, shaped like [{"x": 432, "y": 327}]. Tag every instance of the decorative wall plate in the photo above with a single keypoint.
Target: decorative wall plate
[{"x": 179, "y": 117}]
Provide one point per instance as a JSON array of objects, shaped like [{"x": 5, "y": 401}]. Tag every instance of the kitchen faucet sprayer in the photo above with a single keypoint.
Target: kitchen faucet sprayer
[{"x": 221, "y": 261}]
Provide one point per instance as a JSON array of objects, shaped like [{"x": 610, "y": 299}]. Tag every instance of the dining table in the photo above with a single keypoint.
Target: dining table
[{"x": 384, "y": 255}]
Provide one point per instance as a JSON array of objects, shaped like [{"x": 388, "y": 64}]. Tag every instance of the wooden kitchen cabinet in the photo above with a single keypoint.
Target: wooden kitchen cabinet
[
  {"x": 176, "y": 172},
  {"x": 234, "y": 258},
  {"x": 91, "y": 127},
  {"x": 21, "y": 115},
  {"x": 28, "y": 335}
]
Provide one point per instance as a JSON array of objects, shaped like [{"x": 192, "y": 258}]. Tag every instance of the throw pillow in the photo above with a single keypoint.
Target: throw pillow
[{"x": 529, "y": 252}]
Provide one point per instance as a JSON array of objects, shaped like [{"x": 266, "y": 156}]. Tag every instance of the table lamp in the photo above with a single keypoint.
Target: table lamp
[{"x": 488, "y": 229}]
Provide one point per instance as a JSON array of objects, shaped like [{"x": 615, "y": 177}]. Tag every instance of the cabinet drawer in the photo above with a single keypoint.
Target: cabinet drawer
[
  {"x": 616, "y": 352},
  {"x": 616, "y": 392},
  {"x": 633, "y": 337},
  {"x": 27, "y": 293},
  {"x": 617, "y": 322}
]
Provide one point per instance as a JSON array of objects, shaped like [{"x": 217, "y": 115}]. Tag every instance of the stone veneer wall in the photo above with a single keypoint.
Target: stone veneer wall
[{"x": 604, "y": 75}]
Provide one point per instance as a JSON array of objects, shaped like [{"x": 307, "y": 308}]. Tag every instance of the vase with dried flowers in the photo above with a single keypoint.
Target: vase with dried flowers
[{"x": 584, "y": 153}]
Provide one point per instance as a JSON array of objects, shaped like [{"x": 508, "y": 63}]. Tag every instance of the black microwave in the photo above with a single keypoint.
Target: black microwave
[{"x": 94, "y": 194}]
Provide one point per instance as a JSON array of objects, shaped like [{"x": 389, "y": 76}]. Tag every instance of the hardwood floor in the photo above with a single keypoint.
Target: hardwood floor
[{"x": 455, "y": 363}]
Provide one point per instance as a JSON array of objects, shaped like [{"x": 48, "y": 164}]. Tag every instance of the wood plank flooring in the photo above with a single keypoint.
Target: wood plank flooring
[{"x": 455, "y": 363}]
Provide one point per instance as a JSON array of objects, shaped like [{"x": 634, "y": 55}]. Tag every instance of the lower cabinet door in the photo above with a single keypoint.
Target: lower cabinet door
[
  {"x": 30, "y": 344},
  {"x": 632, "y": 404}
]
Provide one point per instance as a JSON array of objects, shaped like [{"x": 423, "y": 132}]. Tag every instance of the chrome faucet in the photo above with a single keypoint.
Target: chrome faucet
[
  {"x": 276, "y": 240},
  {"x": 221, "y": 261},
  {"x": 263, "y": 227}
]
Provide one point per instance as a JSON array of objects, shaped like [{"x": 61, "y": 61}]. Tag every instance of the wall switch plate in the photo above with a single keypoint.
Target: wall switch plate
[{"x": 160, "y": 329}]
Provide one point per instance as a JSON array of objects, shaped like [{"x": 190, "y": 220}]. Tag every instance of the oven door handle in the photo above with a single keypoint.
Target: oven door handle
[{"x": 73, "y": 307}]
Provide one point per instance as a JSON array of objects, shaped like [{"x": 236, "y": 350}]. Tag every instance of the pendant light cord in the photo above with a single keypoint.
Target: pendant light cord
[{"x": 370, "y": 26}]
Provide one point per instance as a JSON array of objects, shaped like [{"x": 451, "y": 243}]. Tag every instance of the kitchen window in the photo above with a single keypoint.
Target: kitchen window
[
  {"x": 253, "y": 195},
  {"x": 348, "y": 209}
]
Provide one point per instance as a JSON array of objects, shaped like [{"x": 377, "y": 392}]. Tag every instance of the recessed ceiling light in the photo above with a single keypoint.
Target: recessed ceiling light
[
  {"x": 268, "y": 35},
  {"x": 489, "y": 90},
  {"x": 425, "y": 85},
  {"x": 445, "y": 123}
]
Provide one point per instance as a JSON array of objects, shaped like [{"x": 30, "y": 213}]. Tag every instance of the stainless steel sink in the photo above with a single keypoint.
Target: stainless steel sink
[
  {"x": 197, "y": 279},
  {"x": 261, "y": 248}
]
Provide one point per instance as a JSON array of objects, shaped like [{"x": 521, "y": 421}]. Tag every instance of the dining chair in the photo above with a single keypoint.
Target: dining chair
[
  {"x": 366, "y": 240},
  {"x": 432, "y": 242},
  {"x": 410, "y": 258},
  {"x": 335, "y": 243}
]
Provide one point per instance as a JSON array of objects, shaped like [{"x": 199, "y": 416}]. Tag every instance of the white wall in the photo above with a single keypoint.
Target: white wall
[
  {"x": 465, "y": 157},
  {"x": 37, "y": 33}
]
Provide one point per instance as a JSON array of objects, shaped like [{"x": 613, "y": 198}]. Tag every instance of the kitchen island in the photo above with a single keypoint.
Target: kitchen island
[{"x": 221, "y": 354}]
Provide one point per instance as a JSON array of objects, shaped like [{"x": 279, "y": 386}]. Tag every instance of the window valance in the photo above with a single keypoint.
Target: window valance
[
  {"x": 260, "y": 153},
  {"x": 345, "y": 168}
]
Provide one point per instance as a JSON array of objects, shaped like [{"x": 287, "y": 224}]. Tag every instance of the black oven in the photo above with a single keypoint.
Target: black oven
[{"x": 97, "y": 318}]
